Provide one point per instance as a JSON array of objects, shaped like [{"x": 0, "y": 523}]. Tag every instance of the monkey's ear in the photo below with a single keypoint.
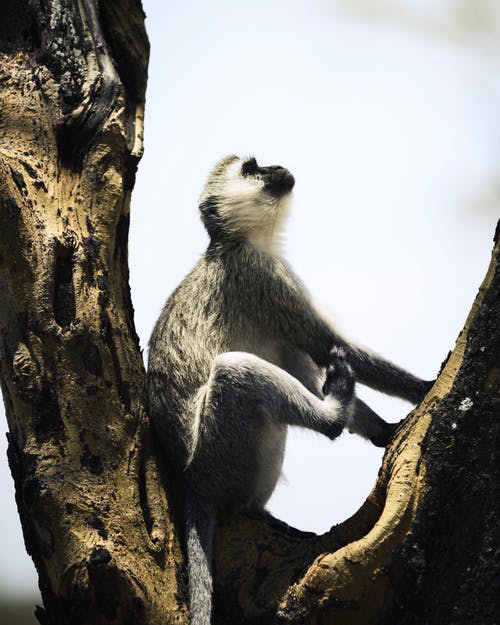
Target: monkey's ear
[{"x": 249, "y": 167}]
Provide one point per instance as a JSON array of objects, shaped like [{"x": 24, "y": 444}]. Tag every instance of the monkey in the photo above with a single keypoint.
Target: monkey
[{"x": 239, "y": 353}]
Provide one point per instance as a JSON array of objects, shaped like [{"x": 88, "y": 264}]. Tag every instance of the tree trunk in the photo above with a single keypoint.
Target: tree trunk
[
  {"x": 93, "y": 507},
  {"x": 98, "y": 509}
]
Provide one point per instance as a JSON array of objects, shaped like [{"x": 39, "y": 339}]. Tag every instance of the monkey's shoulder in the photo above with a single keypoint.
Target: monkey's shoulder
[{"x": 229, "y": 299}]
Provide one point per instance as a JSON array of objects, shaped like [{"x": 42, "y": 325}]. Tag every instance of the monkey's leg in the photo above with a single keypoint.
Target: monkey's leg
[
  {"x": 366, "y": 422},
  {"x": 242, "y": 383},
  {"x": 241, "y": 418}
]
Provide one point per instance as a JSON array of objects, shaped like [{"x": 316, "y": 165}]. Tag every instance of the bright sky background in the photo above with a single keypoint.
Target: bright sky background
[{"x": 386, "y": 112}]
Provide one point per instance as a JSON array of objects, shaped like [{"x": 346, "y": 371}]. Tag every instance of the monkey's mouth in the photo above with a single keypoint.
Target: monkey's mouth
[{"x": 279, "y": 181}]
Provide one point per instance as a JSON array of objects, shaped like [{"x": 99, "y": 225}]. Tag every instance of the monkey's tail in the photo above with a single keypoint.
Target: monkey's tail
[{"x": 200, "y": 526}]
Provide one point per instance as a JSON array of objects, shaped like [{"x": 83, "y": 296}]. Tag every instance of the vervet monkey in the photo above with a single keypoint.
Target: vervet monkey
[{"x": 239, "y": 353}]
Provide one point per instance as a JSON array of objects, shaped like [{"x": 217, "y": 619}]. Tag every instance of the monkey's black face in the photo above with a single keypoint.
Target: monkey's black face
[{"x": 277, "y": 180}]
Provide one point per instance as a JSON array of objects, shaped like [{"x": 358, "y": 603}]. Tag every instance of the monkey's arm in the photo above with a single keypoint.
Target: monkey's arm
[
  {"x": 300, "y": 323},
  {"x": 382, "y": 375},
  {"x": 289, "y": 314}
]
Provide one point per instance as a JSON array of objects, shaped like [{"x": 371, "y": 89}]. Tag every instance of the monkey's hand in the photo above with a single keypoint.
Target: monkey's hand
[
  {"x": 384, "y": 437},
  {"x": 425, "y": 388},
  {"x": 419, "y": 390},
  {"x": 340, "y": 378},
  {"x": 339, "y": 385}
]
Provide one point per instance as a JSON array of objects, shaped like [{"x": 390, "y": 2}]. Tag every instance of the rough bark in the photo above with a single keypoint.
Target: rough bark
[
  {"x": 92, "y": 505},
  {"x": 96, "y": 504}
]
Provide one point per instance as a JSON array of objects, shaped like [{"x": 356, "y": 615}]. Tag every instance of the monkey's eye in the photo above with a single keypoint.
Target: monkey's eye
[{"x": 250, "y": 167}]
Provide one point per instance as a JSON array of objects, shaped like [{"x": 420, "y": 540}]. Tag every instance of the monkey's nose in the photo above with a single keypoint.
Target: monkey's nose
[
  {"x": 289, "y": 181},
  {"x": 279, "y": 182}
]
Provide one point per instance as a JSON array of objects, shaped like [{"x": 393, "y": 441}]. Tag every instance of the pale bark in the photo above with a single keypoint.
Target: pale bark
[
  {"x": 99, "y": 510},
  {"x": 92, "y": 505}
]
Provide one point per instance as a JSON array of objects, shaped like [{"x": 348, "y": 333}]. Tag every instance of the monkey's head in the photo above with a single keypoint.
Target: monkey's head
[{"x": 243, "y": 199}]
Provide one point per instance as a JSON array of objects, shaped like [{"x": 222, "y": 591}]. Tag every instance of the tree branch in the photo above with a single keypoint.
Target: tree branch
[{"x": 358, "y": 573}]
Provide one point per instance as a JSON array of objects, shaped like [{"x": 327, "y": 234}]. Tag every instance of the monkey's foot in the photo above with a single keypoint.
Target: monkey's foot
[{"x": 334, "y": 429}]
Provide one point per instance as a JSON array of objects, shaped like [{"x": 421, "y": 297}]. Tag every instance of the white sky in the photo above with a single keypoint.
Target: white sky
[{"x": 392, "y": 131}]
